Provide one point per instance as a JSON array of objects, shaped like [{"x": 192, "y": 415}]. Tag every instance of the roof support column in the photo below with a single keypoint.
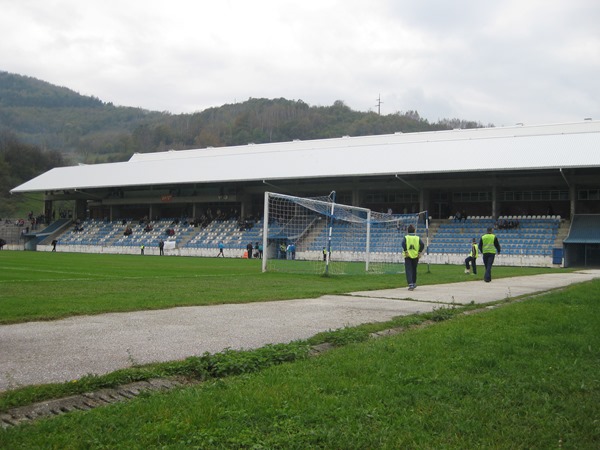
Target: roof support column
[
  {"x": 424, "y": 200},
  {"x": 80, "y": 209},
  {"x": 355, "y": 197},
  {"x": 572, "y": 196},
  {"x": 48, "y": 210},
  {"x": 494, "y": 201},
  {"x": 573, "y": 200},
  {"x": 245, "y": 205}
]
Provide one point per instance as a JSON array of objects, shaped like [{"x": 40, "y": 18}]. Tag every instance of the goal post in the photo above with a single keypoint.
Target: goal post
[{"x": 318, "y": 235}]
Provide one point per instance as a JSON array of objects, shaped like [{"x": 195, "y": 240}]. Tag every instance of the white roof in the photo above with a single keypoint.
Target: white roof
[{"x": 482, "y": 149}]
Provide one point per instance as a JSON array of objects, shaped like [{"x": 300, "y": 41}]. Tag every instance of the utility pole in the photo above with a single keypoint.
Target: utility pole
[{"x": 379, "y": 102}]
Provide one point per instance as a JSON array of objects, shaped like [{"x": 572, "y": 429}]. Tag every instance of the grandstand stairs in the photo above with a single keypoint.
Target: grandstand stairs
[
  {"x": 54, "y": 230},
  {"x": 563, "y": 232},
  {"x": 434, "y": 226},
  {"x": 10, "y": 232},
  {"x": 310, "y": 239}
]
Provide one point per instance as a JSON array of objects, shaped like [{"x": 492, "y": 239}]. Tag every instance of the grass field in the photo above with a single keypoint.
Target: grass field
[
  {"x": 49, "y": 286},
  {"x": 521, "y": 376}
]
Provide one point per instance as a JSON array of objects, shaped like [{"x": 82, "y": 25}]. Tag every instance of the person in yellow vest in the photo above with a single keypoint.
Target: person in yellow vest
[
  {"x": 489, "y": 247},
  {"x": 472, "y": 258},
  {"x": 412, "y": 248}
]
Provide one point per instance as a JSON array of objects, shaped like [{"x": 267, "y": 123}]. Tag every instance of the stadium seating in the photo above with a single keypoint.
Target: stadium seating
[
  {"x": 534, "y": 235},
  {"x": 228, "y": 231}
]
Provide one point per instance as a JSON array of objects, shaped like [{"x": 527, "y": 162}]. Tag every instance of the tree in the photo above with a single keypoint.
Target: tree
[{"x": 20, "y": 162}]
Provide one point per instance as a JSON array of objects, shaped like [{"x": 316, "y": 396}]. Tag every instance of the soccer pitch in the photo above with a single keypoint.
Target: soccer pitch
[
  {"x": 50, "y": 286},
  {"x": 47, "y": 286}
]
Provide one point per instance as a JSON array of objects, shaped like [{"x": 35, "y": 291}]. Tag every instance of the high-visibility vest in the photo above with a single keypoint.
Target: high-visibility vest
[
  {"x": 412, "y": 246},
  {"x": 488, "y": 243},
  {"x": 474, "y": 251}
]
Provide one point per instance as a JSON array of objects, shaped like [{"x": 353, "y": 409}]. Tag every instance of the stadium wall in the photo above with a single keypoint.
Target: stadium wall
[{"x": 435, "y": 259}]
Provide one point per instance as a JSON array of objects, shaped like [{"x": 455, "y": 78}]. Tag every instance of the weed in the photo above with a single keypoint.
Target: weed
[
  {"x": 344, "y": 336},
  {"x": 442, "y": 313}
]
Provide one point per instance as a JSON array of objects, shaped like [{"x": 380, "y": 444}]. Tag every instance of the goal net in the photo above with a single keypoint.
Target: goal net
[{"x": 317, "y": 235}]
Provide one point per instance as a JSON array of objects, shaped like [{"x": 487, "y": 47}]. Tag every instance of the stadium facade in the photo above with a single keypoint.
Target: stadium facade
[{"x": 520, "y": 171}]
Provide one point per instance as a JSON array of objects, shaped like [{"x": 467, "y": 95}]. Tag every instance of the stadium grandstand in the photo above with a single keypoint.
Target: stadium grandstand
[{"x": 530, "y": 182}]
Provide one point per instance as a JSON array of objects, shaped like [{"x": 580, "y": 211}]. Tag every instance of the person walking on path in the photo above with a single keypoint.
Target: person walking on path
[
  {"x": 412, "y": 246},
  {"x": 221, "y": 247},
  {"x": 489, "y": 247},
  {"x": 472, "y": 258}
]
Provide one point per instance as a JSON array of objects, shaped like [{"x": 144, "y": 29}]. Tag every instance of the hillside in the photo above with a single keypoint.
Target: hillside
[
  {"x": 57, "y": 118},
  {"x": 85, "y": 129}
]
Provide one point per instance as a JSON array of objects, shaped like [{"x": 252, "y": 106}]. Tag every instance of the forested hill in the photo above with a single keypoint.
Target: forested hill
[
  {"x": 82, "y": 128},
  {"x": 85, "y": 129},
  {"x": 16, "y": 90}
]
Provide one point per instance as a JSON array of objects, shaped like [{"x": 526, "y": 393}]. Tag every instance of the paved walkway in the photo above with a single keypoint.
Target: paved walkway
[{"x": 64, "y": 350}]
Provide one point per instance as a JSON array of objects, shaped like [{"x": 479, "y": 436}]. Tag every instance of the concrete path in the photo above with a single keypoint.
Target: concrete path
[
  {"x": 479, "y": 292},
  {"x": 64, "y": 350}
]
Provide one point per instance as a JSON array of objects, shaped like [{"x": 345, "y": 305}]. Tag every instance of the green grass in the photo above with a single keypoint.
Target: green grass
[
  {"x": 50, "y": 286},
  {"x": 524, "y": 375}
]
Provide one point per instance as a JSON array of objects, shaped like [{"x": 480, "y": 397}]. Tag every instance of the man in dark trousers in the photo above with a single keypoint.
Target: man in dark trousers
[
  {"x": 489, "y": 247},
  {"x": 412, "y": 246},
  {"x": 472, "y": 258}
]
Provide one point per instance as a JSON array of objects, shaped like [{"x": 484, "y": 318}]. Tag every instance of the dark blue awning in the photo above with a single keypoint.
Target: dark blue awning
[{"x": 585, "y": 229}]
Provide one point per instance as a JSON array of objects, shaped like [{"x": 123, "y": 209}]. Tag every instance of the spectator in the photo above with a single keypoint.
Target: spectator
[
  {"x": 282, "y": 250},
  {"x": 291, "y": 249}
]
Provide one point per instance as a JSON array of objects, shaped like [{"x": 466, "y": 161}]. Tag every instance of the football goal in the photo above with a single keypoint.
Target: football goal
[{"x": 318, "y": 235}]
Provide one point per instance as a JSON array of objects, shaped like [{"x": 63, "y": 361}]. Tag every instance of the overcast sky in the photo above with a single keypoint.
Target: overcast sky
[{"x": 500, "y": 62}]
